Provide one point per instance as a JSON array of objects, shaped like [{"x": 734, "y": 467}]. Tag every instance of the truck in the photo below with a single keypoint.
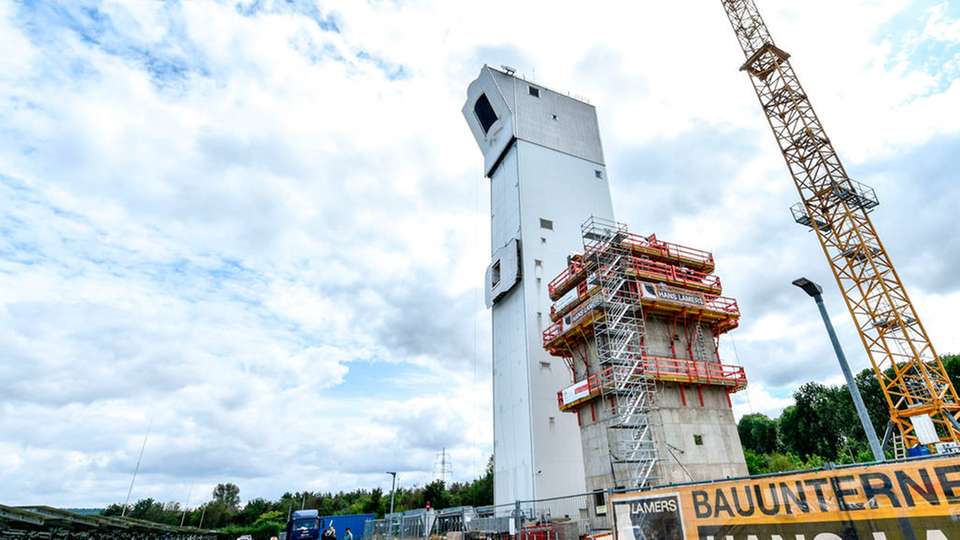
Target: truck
[
  {"x": 304, "y": 525},
  {"x": 309, "y": 525}
]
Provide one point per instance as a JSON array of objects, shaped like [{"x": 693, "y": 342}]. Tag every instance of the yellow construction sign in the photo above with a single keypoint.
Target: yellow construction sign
[{"x": 910, "y": 500}]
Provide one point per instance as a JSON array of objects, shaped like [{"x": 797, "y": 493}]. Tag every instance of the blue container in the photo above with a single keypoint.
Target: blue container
[
  {"x": 356, "y": 523},
  {"x": 918, "y": 451}
]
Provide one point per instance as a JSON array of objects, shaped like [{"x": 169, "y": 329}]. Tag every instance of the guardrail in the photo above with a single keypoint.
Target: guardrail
[
  {"x": 669, "y": 250},
  {"x": 657, "y": 367},
  {"x": 666, "y": 272}
]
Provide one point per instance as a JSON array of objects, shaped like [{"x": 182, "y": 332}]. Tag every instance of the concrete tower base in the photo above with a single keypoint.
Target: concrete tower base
[{"x": 695, "y": 441}]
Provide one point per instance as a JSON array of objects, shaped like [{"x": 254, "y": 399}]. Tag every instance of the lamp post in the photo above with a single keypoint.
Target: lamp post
[
  {"x": 393, "y": 490},
  {"x": 816, "y": 292}
]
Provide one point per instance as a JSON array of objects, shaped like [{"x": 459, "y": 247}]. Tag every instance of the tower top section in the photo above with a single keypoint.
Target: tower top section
[{"x": 502, "y": 108}]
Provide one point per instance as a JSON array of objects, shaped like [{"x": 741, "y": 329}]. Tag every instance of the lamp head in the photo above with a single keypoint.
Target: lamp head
[{"x": 808, "y": 287}]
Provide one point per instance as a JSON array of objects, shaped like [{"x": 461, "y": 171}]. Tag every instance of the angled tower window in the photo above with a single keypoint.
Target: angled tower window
[
  {"x": 495, "y": 274},
  {"x": 484, "y": 111}
]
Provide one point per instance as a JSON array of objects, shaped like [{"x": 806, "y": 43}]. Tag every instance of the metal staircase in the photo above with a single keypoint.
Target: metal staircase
[{"x": 620, "y": 347}]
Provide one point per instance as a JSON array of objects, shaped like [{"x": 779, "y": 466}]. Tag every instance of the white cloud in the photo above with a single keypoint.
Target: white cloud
[
  {"x": 267, "y": 236},
  {"x": 756, "y": 398}
]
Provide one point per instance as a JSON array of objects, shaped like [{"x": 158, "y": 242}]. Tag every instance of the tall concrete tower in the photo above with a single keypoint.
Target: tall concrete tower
[{"x": 542, "y": 153}]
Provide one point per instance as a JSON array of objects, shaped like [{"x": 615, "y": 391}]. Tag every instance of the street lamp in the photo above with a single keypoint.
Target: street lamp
[
  {"x": 816, "y": 292},
  {"x": 393, "y": 490}
]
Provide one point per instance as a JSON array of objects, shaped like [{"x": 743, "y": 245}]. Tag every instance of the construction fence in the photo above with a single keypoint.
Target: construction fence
[
  {"x": 560, "y": 518},
  {"x": 915, "y": 498}
]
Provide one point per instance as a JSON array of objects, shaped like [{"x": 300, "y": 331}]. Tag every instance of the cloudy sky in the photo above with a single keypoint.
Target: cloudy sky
[{"x": 260, "y": 226}]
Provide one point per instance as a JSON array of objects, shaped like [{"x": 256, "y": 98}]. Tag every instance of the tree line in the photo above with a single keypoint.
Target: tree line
[
  {"x": 263, "y": 518},
  {"x": 821, "y": 426}
]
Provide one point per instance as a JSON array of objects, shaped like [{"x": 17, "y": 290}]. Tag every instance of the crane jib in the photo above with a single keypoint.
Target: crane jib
[{"x": 837, "y": 208}]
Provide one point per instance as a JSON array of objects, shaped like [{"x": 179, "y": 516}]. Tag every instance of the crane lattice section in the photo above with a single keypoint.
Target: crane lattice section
[{"x": 837, "y": 208}]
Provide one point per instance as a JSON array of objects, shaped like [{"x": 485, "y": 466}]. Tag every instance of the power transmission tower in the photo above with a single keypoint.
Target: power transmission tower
[{"x": 442, "y": 468}]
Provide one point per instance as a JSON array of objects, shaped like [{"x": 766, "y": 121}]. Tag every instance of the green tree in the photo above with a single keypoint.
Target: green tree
[
  {"x": 435, "y": 493},
  {"x": 876, "y": 403},
  {"x": 757, "y": 463},
  {"x": 758, "y": 433},
  {"x": 873, "y": 400},
  {"x": 262, "y": 518},
  {"x": 228, "y": 495},
  {"x": 951, "y": 363},
  {"x": 216, "y": 514},
  {"x": 150, "y": 510},
  {"x": 814, "y": 424},
  {"x": 113, "y": 510},
  {"x": 273, "y": 516},
  {"x": 784, "y": 462},
  {"x": 372, "y": 503},
  {"x": 252, "y": 511}
]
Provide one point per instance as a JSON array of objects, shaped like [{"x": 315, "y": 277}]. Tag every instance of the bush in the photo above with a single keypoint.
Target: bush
[
  {"x": 756, "y": 463},
  {"x": 262, "y": 530},
  {"x": 784, "y": 462}
]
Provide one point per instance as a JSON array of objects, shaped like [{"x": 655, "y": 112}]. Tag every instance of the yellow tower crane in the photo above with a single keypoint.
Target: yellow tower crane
[{"x": 922, "y": 401}]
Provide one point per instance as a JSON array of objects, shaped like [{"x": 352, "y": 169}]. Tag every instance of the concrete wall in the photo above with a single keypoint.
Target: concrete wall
[
  {"x": 545, "y": 164},
  {"x": 678, "y": 422},
  {"x": 566, "y": 191},
  {"x": 550, "y": 119},
  {"x": 719, "y": 454}
]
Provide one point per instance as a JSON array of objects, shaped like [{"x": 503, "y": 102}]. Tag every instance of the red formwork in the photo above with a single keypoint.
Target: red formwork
[
  {"x": 680, "y": 370},
  {"x": 676, "y": 275},
  {"x": 649, "y": 247}
]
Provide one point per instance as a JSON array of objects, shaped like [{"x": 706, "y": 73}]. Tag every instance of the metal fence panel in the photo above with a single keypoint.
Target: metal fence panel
[{"x": 560, "y": 518}]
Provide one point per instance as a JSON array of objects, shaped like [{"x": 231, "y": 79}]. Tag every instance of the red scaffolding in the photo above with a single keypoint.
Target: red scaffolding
[{"x": 677, "y": 370}]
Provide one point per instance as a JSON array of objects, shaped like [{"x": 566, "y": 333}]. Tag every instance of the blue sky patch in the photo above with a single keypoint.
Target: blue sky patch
[
  {"x": 328, "y": 22},
  {"x": 928, "y": 54},
  {"x": 394, "y": 72}
]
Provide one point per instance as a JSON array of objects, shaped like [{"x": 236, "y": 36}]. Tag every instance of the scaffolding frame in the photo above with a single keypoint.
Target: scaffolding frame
[{"x": 619, "y": 335}]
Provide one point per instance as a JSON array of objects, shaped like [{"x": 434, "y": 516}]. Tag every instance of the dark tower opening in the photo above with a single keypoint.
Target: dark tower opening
[{"x": 484, "y": 112}]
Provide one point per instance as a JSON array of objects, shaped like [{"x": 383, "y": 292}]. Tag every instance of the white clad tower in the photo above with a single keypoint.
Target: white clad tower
[{"x": 543, "y": 156}]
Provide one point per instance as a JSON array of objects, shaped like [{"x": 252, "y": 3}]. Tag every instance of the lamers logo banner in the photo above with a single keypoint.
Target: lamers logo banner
[
  {"x": 913, "y": 500},
  {"x": 656, "y": 518},
  {"x": 663, "y": 292}
]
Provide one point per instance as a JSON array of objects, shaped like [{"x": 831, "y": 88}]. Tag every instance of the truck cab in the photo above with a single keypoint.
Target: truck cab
[{"x": 304, "y": 525}]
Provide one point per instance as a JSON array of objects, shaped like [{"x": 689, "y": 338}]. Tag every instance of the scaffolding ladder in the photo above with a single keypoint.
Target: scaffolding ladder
[
  {"x": 620, "y": 347},
  {"x": 899, "y": 449}
]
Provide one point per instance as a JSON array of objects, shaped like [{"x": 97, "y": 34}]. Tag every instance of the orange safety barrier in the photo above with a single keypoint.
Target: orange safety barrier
[
  {"x": 552, "y": 332},
  {"x": 722, "y": 303},
  {"x": 701, "y": 372},
  {"x": 564, "y": 281},
  {"x": 665, "y": 369},
  {"x": 667, "y": 272},
  {"x": 648, "y": 245},
  {"x": 669, "y": 250}
]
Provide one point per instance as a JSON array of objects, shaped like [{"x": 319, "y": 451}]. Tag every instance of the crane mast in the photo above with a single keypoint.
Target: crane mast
[{"x": 837, "y": 208}]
